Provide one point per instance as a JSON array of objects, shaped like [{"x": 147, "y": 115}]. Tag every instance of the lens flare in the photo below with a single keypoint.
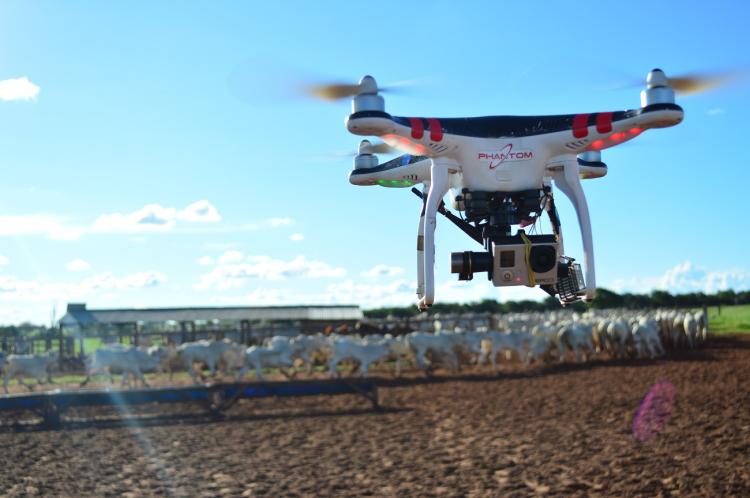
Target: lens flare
[{"x": 654, "y": 411}]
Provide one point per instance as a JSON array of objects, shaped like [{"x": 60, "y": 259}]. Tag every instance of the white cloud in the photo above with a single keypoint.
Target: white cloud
[
  {"x": 53, "y": 227},
  {"x": 14, "y": 289},
  {"x": 231, "y": 256},
  {"x": 206, "y": 260},
  {"x": 383, "y": 271},
  {"x": 715, "y": 111},
  {"x": 399, "y": 292},
  {"x": 4, "y": 260},
  {"x": 156, "y": 218},
  {"x": 18, "y": 89},
  {"x": 279, "y": 222},
  {"x": 687, "y": 277},
  {"x": 32, "y": 300},
  {"x": 150, "y": 218},
  {"x": 236, "y": 274},
  {"x": 456, "y": 291},
  {"x": 297, "y": 237},
  {"x": 200, "y": 212},
  {"x": 78, "y": 264},
  {"x": 140, "y": 280}
]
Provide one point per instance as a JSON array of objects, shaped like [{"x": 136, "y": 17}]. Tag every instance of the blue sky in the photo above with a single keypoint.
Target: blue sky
[{"x": 164, "y": 160}]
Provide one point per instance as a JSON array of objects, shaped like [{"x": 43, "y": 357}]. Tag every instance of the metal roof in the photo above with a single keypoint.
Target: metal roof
[{"x": 79, "y": 315}]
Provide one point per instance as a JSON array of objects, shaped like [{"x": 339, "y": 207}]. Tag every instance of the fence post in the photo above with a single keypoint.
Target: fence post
[
  {"x": 244, "y": 331},
  {"x": 60, "y": 339}
]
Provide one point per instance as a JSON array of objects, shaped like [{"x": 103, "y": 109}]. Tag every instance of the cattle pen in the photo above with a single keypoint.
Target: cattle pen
[{"x": 215, "y": 398}]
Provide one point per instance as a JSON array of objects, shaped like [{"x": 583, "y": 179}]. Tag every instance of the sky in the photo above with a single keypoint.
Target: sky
[{"x": 156, "y": 154}]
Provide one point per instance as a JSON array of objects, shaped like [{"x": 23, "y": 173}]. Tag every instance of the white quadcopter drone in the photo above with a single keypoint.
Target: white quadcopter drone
[{"x": 499, "y": 170}]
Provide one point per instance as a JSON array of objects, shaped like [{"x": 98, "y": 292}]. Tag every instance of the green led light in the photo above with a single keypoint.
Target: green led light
[{"x": 395, "y": 183}]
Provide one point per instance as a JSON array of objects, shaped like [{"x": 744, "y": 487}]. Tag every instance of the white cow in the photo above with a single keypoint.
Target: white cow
[
  {"x": 692, "y": 329},
  {"x": 679, "y": 335},
  {"x": 400, "y": 351},
  {"x": 513, "y": 343},
  {"x": 702, "y": 318},
  {"x": 577, "y": 337},
  {"x": 646, "y": 338},
  {"x": 128, "y": 360},
  {"x": 211, "y": 354},
  {"x": 600, "y": 337},
  {"x": 538, "y": 347},
  {"x": 32, "y": 365},
  {"x": 278, "y": 354},
  {"x": 618, "y": 333},
  {"x": 363, "y": 353},
  {"x": 440, "y": 345},
  {"x": 306, "y": 346}
]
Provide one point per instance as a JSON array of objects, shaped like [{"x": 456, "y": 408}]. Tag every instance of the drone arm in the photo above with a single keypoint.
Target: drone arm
[
  {"x": 567, "y": 180},
  {"x": 438, "y": 188}
]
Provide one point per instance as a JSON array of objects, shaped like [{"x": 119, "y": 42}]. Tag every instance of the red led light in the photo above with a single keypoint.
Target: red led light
[
  {"x": 597, "y": 144},
  {"x": 617, "y": 136},
  {"x": 635, "y": 131}
]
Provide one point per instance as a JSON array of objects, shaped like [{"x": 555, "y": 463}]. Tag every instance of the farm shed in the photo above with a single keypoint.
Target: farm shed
[{"x": 244, "y": 324}]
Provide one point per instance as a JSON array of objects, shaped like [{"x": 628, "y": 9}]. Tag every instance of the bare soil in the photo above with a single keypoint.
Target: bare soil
[{"x": 555, "y": 431}]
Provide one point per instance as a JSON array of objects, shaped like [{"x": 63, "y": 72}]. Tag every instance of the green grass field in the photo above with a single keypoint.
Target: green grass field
[{"x": 731, "y": 319}]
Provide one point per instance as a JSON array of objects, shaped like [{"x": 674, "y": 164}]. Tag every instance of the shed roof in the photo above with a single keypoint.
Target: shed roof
[{"x": 79, "y": 315}]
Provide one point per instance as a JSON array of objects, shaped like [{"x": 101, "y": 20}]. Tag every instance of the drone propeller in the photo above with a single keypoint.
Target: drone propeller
[
  {"x": 333, "y": 91},
  {"x": 367, "y": 147},
  {"x": 342, "y": 90},
  {"x": 702, "y": 82},
  {"x": 694, "y": 83}
]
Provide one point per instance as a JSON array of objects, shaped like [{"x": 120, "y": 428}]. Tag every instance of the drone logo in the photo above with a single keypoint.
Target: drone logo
[{"x": 505, "y": 154}]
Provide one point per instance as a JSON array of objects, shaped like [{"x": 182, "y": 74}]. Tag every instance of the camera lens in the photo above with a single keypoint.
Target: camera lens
[
  {"x": 468, "y": 262},
  {"x": 542, "y": 258}
]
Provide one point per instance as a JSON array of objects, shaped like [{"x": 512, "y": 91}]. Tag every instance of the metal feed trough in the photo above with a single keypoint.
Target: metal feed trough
[{"x": 214, "y": 397}]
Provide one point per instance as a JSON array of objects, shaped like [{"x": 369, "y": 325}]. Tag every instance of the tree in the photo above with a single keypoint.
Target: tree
[{"x": 605, "y": 298}]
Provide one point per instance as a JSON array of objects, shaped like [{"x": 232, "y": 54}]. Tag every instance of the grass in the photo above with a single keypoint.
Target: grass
[{"x": 733, "y": 319}]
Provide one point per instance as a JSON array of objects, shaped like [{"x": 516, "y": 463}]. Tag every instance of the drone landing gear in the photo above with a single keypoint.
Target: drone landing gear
[
  {"x": 567, "y": 179},
  {"x": 489, "y": 217}
]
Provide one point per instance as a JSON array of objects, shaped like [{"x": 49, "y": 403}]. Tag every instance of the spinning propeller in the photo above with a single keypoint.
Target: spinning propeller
[
  {"x": 697, "y": 83},
  {"x": 341, "y": 90},
  {"x": 366, "y": 147},
  {"x": 694, "y": 83}
]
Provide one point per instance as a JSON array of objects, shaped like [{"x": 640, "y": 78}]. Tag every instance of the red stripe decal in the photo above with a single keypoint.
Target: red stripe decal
[
  {"x": 417, "y": 128},
  {"x": 436, "y": 131},
  {"x": 581, "y": 125},
  {"x": 604, "y": 122}
]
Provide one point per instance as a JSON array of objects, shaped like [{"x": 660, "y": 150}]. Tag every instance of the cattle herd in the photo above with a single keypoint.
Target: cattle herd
[{"x": 522, "y": 337}]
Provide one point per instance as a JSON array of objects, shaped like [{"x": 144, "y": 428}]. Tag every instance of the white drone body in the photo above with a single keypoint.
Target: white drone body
[{"x": 498, "y": 154}]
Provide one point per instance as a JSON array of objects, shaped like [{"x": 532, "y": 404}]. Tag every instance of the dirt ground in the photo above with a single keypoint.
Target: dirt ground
[{"x": 554, "y": 431}]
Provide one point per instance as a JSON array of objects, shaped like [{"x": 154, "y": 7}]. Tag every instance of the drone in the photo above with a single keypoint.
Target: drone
[{"x": 500, "y": 171}]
